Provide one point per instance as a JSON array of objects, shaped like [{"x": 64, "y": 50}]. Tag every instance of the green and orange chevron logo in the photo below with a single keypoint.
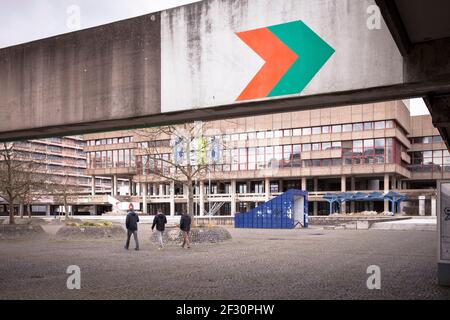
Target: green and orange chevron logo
[{"x": 294, "y": 54}]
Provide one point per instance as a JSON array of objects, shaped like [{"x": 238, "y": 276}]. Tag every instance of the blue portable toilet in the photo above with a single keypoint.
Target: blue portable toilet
[{"x": 283, "y": 212}]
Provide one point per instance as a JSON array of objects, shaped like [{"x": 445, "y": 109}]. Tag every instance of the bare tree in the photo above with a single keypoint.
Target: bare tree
[
  {"x": 62, "y": 191},
  {"x": 185, "y": 160},
  {"x": 20, "y": 177}
]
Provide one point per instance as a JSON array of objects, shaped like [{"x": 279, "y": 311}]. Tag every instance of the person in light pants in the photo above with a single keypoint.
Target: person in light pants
[{"x": 160, "y": 223}]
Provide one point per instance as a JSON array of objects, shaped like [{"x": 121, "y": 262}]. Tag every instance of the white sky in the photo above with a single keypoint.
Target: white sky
[{"x": 27, "y": 20}]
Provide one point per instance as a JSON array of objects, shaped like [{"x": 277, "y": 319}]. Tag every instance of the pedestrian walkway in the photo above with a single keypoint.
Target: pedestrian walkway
[{"x": 417, "y": 224}]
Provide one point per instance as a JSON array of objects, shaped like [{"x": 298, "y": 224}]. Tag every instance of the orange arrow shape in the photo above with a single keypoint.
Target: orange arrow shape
[{"x": 279, "y": 59}]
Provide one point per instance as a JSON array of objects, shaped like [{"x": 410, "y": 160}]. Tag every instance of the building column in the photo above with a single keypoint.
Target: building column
[
  {"x": 161, "y": 190},
  {"x": 267, "y": 189},
  {"x": 421, "y": 205},
  {"x": 144, "y": 198},
  {"x": 353, "y": 188},
  {"x": 315, "y": 203},
  {"x": 433, "y": 206},
  {"x": 202, "y": 198},
  {"x": 21, "y": 210},
  {"x": 93, "y": 185},
  {"x": 114, "y": 186},
  {"x": 343, "y": 189},
  {"x": 233, "y": 197},
  {"x": 130, "y": 187},
  {"x": 48, "y": 210},
  {"x": 304, "y": 184},
  {"x": 172, "y": 199},
  {"x": 386, "y": 190},
  {"x": 280, "y": 186},
  {"x": 394, "y": 183}
]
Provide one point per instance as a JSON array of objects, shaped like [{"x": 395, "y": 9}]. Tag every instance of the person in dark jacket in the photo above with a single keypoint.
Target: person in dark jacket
[
  {"x": 132, "y": 227},
  {"x": 160, "y": 222},
  {"x": 185, "y": 226}
]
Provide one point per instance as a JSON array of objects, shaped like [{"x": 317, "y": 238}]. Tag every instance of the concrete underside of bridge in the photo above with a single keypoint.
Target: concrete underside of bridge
[{"x": 109, "y": 77}]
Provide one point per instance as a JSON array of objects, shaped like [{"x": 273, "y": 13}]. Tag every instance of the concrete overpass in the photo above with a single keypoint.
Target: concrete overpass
[{"x": 189, "y": 63}]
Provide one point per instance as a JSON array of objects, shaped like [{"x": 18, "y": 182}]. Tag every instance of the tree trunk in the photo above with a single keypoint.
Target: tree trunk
[
  {"x": 11, "y": 213},
  {"x": 190, "y": 204},
  {"x": 29, "y": 210}
]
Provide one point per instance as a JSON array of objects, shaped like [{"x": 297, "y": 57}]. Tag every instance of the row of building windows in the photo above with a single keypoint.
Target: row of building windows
[
  {"x": 369, "y": 151},
  {"x": 430, "y": 161},
  {"x": 111, "y": 159},
  {"x": 270, "y": 134},
  {"x": 427, "y": 140},
  {"x": 108, "y": 141}
]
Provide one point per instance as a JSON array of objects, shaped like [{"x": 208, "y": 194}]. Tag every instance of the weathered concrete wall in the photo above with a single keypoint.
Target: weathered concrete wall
[
  {"x": 103, "y": 73},
  {"x": 206, "y": 64}
]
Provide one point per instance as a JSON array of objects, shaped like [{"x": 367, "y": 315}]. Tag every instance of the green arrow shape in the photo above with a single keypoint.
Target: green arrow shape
[{"x": 313, "y": 53}]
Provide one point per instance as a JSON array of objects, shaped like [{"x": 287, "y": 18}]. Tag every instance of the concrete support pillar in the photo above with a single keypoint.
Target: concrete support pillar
[
  {"x": 433, "y": 206},
  {"x": 421, "y": 205},
  {"x": 343, "y": 189},
  {"x": 394, "y": 183},
  {"x": 114, "y": 186},
  {"x": 48, "y": 210},
  {"x": 161, "y": 190},
  {"x": 172, "y": 199},
  {"x": 144, "y": 198},
  {"x": 202, "y": 198},
  {"x": 353, "y": 188},
  {"x": 280, "y": 186},
  {"x": 386, "y": 190},
  {"x": 315, "y": 203},
  {"x": 130, "y": 187},
  {"x": 233, "y": 197},
  {"x": 93, "y": 185},
  {"x": 304, "y": 184},
  {"x": 21, "y": 210},
  {"x": 267, "y": 189}
]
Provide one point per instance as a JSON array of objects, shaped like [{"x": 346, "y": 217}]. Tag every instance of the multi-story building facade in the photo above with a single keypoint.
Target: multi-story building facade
[
  {"x": 373, "y": 147},
  {"x": 63, "y": 161}
]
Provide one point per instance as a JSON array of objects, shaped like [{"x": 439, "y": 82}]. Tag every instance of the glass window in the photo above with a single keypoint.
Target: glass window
[
  {"x": 326, "y": 146},
  {"x": 115, "y": 141},
  {"x": 287, "y": 155},
  {"x": 389, "y": 124},
  {"x": 326, "y": 162},
  {"x": 337, "y": 128},
  {"x": 326, "y": 129},
  {"x": 336, "y": 145},
  {"x": 287, "y": 133},
  {"x": 368, "y": 125},
  {"x": 379, "y": 125},
  {"x": 278, "y": 133},
  {"x": 306, "y": 147},
  {"x": 336, "y": 162},
  {"x": 235, "y": 137},
  {"x": 437, "y": 139},
  {"x": 307, "y": 163},
  {"x": 296, "y": 155},
  {"x": 347, "y": 128},
  {"x": 261, "y": 135},
  {"x": 357, "y": 127},
  {"x": 269, "y": 134},
  {"x": 251, "y": 135},
  {"x": 316, "y": 130},
  {"x": 306, "y": 131},
  {"x": 316, "y": 146},
  {"x": 297, "y": 132},
  {"x": 316, "y": 163}
]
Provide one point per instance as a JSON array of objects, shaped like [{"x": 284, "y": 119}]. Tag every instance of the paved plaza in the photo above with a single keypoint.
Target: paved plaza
[{"x": 256, "y": 264}]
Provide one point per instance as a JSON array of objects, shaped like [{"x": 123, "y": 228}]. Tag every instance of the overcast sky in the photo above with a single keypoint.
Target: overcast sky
[{"x": 27, "y": 20}]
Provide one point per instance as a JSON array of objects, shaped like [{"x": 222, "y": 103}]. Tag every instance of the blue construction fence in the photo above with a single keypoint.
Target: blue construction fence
[{"x": 277, "y": 213}]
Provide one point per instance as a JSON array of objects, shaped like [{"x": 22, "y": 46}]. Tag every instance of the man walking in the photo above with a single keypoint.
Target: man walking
[
  {"x": 160, "y": 222},
  {"x": 132, "y": 227},
  {"x": 185, "y": 226}
]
